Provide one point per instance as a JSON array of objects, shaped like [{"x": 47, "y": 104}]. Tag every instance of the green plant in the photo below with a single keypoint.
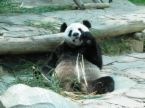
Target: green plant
[
  {"x": 8, "y": 7},
  {"x": 115, "y": 46},
  {"x": 35, "y": 78},
  {"x": 138, "y": 1}
]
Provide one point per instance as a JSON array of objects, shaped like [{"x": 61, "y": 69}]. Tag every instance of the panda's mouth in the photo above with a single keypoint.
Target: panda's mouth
[
  {"x": 77, "y": 41},
  {"x": 74, "y": 40}
]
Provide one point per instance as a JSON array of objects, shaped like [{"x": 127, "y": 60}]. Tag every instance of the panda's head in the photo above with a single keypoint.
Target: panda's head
[{"x": 75, "y": 31}]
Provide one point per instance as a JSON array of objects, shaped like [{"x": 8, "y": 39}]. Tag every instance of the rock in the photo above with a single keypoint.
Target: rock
[
  {"x": 23, "y": 96},
  {"x": 3, "y": 87},
  {"x": 22, "y": 31},
  {"x": 136, "y": 93},
  {"x": 124, "y": 102},
  {"x": 6, "y": 79},
  {"x": 136, "y": 45},
  {"x": 122, "y": 85},
  {"x": 140, "y": 86},
  {"x": 143, "y": 35},
  {"x": 50, "y": 23},
  {"x": 126, "y": 59},
  {"x": 34, "y": 3},
  {"x": 124, "y": 66},
  {"x": 139, "y": 35},
  {"x": 108, "y": 60},
  {"x": 115, "y": 102},
  {"x": 138, "y": 55},
  {"x": 136, "y": 73}
]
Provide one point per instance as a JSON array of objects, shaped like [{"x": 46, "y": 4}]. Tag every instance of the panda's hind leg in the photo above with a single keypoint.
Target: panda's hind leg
[{"x": 103, "y": 85}]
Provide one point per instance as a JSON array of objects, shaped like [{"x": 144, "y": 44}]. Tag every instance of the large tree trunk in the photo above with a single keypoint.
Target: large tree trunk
[
  {"x": 43, "y": 43},
  {"x": 119, "y": 29}
]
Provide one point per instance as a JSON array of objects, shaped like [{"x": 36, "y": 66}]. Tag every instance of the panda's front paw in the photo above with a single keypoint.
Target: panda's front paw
[{"x": 86, "y": 38}]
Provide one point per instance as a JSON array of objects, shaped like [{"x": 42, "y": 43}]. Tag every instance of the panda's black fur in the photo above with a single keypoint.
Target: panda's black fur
[{"x": 90, "y": 50}]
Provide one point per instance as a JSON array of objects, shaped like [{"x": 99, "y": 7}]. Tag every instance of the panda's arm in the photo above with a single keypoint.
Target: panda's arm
[
  {"x": 97, "y": 59},
  {"x": 92, "y": 50},
  {"x": 52, "y": 61},
  {"x": 94, "y": 55},
  {"x": 48, "y": 68}
]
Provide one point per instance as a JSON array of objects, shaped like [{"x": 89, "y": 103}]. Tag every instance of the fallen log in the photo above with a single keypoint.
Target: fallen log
[
  {"x": 119, "y": 29},
  {"x": 44, "y": 43},
  {"x": 80, "y": 5},
  {"x": 97, "y": 5}
]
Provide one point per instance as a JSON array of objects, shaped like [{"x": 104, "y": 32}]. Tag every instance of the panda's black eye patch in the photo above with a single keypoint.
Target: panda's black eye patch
[
  {"x": 80, "y": 30},
  {"x": 70, "y": 32}
]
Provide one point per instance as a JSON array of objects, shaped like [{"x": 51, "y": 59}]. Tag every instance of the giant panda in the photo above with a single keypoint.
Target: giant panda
[{"x": 79, "y": 41}]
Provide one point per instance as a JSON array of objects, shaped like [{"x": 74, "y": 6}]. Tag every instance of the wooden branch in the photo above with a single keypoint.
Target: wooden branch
[
  {"x": 43, "y": 43},
  {"x": 80, "y": 5}
]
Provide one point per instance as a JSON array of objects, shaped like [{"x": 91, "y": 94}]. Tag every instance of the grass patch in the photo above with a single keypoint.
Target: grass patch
[
  {"x": 138, "y": 1},
  {"x": 115, "y": 46},
  {"x": 7, "y": 7},
  {"x": 34, "y": 78},
  {"x": 22, "y": 68}
]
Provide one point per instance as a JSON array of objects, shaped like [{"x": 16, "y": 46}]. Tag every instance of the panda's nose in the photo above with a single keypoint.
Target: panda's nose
[{"x": 75, "y": 34}]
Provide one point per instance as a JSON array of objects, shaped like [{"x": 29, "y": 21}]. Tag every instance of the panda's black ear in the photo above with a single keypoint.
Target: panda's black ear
[
  {"x": 63, "y": 27},
  {"x": 87, "y": 23}
]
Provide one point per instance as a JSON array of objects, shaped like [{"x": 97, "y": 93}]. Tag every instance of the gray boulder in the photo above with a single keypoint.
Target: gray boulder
[{"x": 23, "y": 96}]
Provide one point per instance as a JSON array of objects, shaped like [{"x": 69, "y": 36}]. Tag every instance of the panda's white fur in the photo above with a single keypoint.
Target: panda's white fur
[
  {"x": 67, "y": 73},
  {"x": 74, "y": 27}
]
